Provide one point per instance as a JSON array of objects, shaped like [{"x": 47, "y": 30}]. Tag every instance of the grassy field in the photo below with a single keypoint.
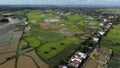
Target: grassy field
[
  {"x": 51, "y": 37},
  {"x": 33, "y": 41},
  {"x": 76, "y": 18},
  {"x": 114, "y": 34},
  {"x": 112, "y": 39},
  {"x": 34, "y": 15},
  {"x": 59, "y": 57},
  {"x": 50, "y": 49},
  {"x": 73, "y": 28}
]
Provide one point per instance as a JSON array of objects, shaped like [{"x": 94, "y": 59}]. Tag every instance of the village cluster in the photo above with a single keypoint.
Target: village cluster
[{"x": 78, "y": 57}]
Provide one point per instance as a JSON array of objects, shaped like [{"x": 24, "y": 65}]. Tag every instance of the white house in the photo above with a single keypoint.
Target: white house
[
  {"x": 101, "y": 24},
  {"x": 26, "y": 22},
  {"x": 110, "y": 23},
  {"x": 101, "y": 33},
  {"x": 95, "y": 39},
  {"x": 105, "y": 20},
  {"x": 82, "y": 55}
]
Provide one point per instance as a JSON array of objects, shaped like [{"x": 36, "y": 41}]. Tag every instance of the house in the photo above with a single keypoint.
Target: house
[
  {"x": 105, "y": 20},
  {"x": 111, "y": 17},
  {"x": 110, "y": 24},
  {"x": 101, "y": 24},
  {"x": 106, "y": 28},
  {"x": 95, "y": 39},
  {"x": 101, "y": 33},
  {"x": 81, "y": 54},
  {"x": 63, "y": 66},
  {"x": 77, "y": 59},
  {"x": 26, "y": 22}
]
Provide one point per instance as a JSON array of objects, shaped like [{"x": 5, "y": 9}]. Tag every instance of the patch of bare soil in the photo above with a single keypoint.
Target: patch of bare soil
[
  {"x": 48, "y": 26},
  {"x": 39, "y": 61},
  {"x": 90, "y": 64},
  {"x": 6, "y": 52},
  {"x": 4, "y": 56},
  {"x": 9, "y": 64},
  {"x": 25, "y": 62}
]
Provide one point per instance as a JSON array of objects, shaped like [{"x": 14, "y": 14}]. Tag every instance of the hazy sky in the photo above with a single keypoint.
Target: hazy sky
[{"x": 59, "y": 2}]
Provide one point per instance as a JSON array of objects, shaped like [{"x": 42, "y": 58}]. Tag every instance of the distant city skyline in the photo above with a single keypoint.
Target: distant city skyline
[{"x": 61, "y": 2}]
